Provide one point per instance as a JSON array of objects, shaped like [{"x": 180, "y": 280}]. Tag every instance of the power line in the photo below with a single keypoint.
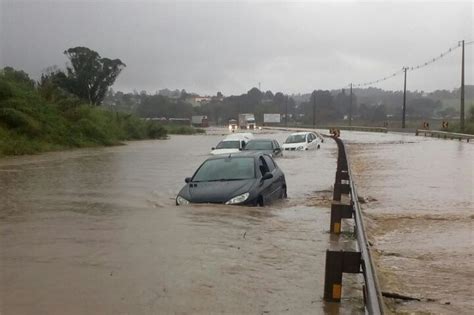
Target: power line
[
  {"x": 433, "y": 60},
  {"x": 412, "y": 68}
]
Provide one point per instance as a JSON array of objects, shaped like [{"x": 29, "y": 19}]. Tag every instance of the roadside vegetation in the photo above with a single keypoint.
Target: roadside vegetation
[
  {"x": 55, "y": 114},
  {"x": 468, "y": 123}
]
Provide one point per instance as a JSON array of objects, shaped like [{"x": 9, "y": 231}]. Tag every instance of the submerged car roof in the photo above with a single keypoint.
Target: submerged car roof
[
  {"x": 254, "y": 140},
  {"x": 301, "y": 133},
  {"x": 253, "y": 154},
  {"x": 239, "y": 136}
]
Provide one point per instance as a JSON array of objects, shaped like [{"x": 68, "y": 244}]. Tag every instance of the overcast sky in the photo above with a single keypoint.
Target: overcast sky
[{"x": 231, "y": 46}]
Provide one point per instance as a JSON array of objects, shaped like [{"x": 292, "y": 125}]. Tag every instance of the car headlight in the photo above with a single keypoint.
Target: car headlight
[
  {"x": 300, "y": 148},
  {"x": 238, "y": 199},
  {"x": 180, "y": 201}
]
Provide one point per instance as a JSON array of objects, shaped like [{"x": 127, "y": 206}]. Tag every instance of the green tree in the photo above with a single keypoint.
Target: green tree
[{"x": 88, "y": 75}]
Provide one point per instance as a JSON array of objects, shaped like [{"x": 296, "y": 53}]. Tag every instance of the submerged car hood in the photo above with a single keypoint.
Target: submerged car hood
[
  {"x": 224, "y": 151},
  {"x": 215, "y": 192}
]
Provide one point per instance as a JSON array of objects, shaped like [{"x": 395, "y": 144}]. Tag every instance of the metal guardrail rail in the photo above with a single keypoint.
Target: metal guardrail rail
[
  {"x": 358, "y": 128},
  {"x": 444, "y": 134},
  {"x": 360, "y": 261}
]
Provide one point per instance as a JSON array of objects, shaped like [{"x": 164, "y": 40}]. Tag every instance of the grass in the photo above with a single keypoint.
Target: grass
[{"x": 31, "y": 124}]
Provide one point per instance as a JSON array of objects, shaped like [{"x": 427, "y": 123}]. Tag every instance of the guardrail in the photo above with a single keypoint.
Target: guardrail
[
  {"x": 357, "y": 128},
  {"x": 444, "y": 134},
  {"x": 360, "y": 261}
]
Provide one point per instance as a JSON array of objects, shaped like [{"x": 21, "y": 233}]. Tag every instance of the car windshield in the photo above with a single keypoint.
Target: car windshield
[
  {"x": 233, "y": 168},
  {"x": 234, "y": 144},
  {"x": 296, "y": 139},
  {"x": 259, "y": 145}
]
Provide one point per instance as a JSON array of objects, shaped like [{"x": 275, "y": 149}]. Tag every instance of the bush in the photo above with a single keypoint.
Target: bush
[
  {"x": 5, "y": 90},
  {"x": 183, "y": 130},
  {"x": 156, "y": 131},
  {"x": 16, "y": 119}
]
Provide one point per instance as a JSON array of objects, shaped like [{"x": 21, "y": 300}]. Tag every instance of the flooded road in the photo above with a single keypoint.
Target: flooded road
[
  {"x": 420, "y": 212},
  {"x": 96, "y": 231}
]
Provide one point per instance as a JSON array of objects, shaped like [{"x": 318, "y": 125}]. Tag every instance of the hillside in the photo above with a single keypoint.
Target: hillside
[{"x": 35, "y": 119}]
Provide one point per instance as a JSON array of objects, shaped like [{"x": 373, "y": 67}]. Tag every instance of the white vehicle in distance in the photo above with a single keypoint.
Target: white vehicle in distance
[
  {"x": 232, "y": 143},
  {"x": 301, "y": 141},
  {"x": 233, "y": 125}
]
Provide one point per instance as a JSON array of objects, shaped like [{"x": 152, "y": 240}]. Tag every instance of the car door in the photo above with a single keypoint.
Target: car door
[
  {"x": 276, "y": 148},
  {"x": 265, "y": 187},
  {"x": 276, "y": 181},
  {"x": 311, "y": 138}
]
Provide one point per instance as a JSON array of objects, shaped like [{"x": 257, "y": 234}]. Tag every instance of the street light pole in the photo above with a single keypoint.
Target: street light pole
[
  {"x": 314, "y": 109},
  {"x": 404, "y": 98},
  {"x": 350, "y": 109},
  {"x": 462, "y": 88}
]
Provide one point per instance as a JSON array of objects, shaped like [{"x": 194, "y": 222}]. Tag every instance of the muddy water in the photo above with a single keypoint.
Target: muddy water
[
  {"x": 420, "y": 212},
  {"x": 97, "y": 232}
]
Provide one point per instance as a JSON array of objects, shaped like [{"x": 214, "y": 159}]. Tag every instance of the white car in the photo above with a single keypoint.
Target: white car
[
  {"x": 301, "y": 141},
  {"x": 232, "y": 143}
]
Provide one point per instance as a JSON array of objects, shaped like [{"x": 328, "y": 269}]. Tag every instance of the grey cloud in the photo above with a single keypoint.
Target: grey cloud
[{"x": 231, "y": 46}]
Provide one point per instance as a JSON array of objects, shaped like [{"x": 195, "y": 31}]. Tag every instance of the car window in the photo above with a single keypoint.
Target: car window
[
  {"x": 270, "y": 164},
  {"x": 276, "y": 145},
  {"x": 295, "y": 139},
  {"x": 262, "y": 165},
  {"x": 234, "y": 168},
  {"x": 258, "y": 145},
  {"x": 228, "y": 145}
]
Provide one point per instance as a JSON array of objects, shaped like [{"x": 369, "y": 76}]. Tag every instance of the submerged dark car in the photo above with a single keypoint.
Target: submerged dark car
[
  {"x": 247, "y": 178},
  {"x": 267, "y": 146}
]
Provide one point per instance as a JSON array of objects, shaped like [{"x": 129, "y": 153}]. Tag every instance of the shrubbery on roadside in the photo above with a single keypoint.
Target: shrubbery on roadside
[{"x": 31, "y": 124}]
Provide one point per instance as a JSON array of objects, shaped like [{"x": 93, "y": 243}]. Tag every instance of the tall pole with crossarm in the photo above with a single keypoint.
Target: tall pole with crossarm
[
  {"x": 462, "y": 89},
  {"x": 404, "y": 110}
]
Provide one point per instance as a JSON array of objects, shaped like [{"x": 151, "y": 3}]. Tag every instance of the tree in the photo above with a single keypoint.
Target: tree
[
  {"x": 19, "y": 76},
  {"x": 88, "y": 75}
]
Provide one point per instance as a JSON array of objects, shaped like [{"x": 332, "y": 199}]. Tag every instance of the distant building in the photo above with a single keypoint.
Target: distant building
[{"x": 197, "y": 101}]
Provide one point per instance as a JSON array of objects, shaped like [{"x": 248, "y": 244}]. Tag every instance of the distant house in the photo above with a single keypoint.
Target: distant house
[{"x": 197, "y": 100}]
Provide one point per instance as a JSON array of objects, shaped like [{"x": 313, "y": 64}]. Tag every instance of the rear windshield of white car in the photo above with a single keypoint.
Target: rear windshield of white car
[
  {"x": 228, "y": 145},
  {"x": 296, "y": 139},
  {"x": 237, "y": 168},
  {"x": 259, "y": 145}
]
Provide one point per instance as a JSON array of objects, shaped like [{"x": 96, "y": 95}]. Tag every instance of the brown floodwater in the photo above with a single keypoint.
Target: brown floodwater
[
  {"x": 96, "y": 231},
  {"x": 420, "y": 212}
]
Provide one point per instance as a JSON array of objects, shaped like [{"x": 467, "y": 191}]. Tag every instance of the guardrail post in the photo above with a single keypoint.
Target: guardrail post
[
  {"x": 339, "y": 211},
  {"x": 337, "y": 263}
]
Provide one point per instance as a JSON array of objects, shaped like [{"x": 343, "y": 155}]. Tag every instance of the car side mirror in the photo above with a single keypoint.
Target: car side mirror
[
  {"x": 267, "y": 176},
  {"x": 212, "y": 149},
  {"x": 187, "y": 180}
]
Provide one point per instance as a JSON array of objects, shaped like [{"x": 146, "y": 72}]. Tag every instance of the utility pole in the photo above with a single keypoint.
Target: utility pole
[
  {"x": 462, "y": 88},
  {"x": 404, "y": 98},
  {"x": 350, "y": 109},
  {"x": 286, "y": 112},
  {"x": 314, "y": 109}
]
